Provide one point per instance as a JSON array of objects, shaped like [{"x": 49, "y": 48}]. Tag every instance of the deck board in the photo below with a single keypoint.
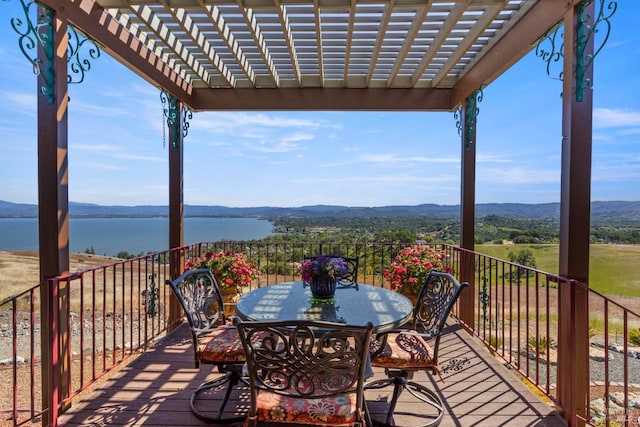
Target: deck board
[{"x": 154, "y": 390}]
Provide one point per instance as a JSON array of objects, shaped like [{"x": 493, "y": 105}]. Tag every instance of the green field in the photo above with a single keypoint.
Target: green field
[{"x": 613, "y": 269}]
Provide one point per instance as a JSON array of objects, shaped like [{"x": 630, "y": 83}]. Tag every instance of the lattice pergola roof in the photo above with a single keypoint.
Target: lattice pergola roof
[
  {"x": 322, "y": 43},
  {"x": 288, "y": 54}
]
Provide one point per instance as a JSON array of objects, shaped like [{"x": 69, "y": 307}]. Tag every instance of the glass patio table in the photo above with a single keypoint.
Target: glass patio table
[{"x": 384, "y": 308}]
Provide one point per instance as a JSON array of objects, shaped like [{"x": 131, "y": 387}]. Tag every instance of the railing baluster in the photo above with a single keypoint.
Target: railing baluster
[{"x": 510, "y": 309}]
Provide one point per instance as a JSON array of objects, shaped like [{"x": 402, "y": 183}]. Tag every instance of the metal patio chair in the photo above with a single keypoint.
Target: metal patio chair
[
  {"x": 405, "y": 351},
  {"x": 306, "y": 372},
  {"x": 214, "y": 341}
]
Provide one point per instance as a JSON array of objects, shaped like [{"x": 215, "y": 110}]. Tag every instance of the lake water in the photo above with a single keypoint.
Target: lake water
[{"x": 108, "y": 236}]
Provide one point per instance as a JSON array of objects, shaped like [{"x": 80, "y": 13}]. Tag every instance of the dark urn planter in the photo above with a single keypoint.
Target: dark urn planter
[{"x": 323, "y": 286}]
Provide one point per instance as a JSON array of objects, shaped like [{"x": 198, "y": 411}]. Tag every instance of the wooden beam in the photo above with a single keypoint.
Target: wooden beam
[
  {"x": 113, "y": 38},
  {"x": 318, "y": 99},
  {"x": 518, "y": 41}
]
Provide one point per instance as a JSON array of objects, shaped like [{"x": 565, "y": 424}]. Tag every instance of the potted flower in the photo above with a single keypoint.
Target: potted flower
[
  {"x": 412, "y": 265},
  {"x": 322, "y": 273},
  {"x": 231, "y": 270}
]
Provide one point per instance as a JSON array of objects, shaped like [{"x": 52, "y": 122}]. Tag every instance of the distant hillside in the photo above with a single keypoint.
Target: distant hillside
[{"x": 601, "y": 211}]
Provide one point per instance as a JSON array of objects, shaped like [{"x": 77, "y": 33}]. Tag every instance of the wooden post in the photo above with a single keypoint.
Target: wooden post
[
  {"x": 53, "y": 214},
  {"x": 467, "y": 214},
  {"x": 176, "y": 201},
  {"x": 575, "y": 203}
]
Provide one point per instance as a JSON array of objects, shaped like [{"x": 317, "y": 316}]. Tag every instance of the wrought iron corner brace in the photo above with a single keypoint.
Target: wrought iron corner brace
[
  {"x": 78, "y": 64},
  {"x": 585, "y": 32},
  {"x": 170, "y": 113},
  {"x": 554, "y": 38},
  {"x": 32, "y": 35},
  {"x": 41, "y": 33},
  {"x": 470, "y": 117}
]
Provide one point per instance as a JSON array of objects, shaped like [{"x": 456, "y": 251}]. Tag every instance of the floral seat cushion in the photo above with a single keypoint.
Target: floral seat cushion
[
  {"x": 334, "y": 410},
  {"x": 404, "y": 350},
  {"x": 222, "y": 345}
]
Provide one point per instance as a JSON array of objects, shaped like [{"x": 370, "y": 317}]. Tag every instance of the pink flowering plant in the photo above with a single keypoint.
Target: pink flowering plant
[
  {"x": 322, "y": 265},
  {"x": 412, "y": 265},
  {"x": 230, "y": 269}
]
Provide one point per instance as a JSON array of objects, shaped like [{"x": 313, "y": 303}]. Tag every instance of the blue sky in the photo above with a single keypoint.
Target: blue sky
[{"x": 117, "y": 156}]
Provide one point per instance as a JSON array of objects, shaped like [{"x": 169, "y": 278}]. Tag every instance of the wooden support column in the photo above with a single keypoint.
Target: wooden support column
[
  {"x": 176, "y": 197},
  {"x": 53, "y": 214},
  {"x": 575, "y": 202},
  {"x": 468, "y": 210}
]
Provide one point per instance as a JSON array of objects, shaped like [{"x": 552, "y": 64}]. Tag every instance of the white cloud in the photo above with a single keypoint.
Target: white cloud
[
  {"x": 126, "y": 156},
  {"x": 632, "y": 131},
  {"x": 282, "y": 146},
  {"x": 21, "y": 101},
  {"x": 492, "y": 158},
  {"x": 617, "y": 174},
  {"x": 101, "y": 148},
  {"x": 518, "y": 176},
  {"x": 116, "y": 152},
  {"x": 602, "y": 138},
  {"x": 610, "y": 117},
  {"x": 389, "y": 158},
  {"x": 98, "y": 110},
  {"x": 226, "y": 122},
  {"x": 103, "y": 166},
  {"x": 386, "y": 179},
  {"x": 298, "y": 136}
]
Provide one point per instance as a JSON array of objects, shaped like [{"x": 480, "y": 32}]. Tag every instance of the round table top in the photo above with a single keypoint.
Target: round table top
[{"x": 384, "y": 308}]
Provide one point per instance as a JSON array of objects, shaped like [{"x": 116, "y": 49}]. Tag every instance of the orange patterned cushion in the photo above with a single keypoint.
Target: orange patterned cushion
[
  {"x": 405, "y": 351},
  {"x": 223, "y": 345},
  {"x": 335, "y": 410}
]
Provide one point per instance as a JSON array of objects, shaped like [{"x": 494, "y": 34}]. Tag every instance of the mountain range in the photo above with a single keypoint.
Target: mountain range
[{"x": 606, "y": 211}]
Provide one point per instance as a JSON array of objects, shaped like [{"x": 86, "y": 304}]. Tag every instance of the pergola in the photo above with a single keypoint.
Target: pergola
[{"x": 418, "y": 55}]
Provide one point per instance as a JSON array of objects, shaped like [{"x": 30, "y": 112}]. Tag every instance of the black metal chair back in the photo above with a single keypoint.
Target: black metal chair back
[
  {"x": 199, "y": 296},
  {"x": 214, "y": 341},
  {"x": 437, "y": 298},
  {"x": 309, "y": 360},
  {"x": 403, "y": 352}
]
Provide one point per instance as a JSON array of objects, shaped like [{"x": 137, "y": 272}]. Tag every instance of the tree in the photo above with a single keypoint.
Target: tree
[{"x": 525, "y": 258}]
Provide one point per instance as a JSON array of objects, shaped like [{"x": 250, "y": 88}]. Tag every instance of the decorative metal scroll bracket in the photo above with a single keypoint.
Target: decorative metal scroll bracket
[
  {"x": 151, "y": 296},
  {"x": 32, "y": 35},
  {"x": 41, "y": 33},
  {"x": 550, "y": 47},
  {"x": 470, "y": 117},
  {"x": 79, "y": 64},
  {"x": 170, "y": 113},
  {"x": 554, "y": 39},
  {"x": 584, "y": 34}
]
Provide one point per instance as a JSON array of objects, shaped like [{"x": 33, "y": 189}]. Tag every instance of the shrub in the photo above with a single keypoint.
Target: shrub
[
  {"x": 229, "y": 269},
  {"x": 412, "y": 265},
  {"x": 495, "y": 342},
  {"x": 540, "y": 344},
  {"x": 634, "y": 337}
]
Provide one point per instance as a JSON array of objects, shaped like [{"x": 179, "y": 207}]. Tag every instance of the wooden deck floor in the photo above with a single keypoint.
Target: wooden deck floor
[{"x": 154, "y": 390}]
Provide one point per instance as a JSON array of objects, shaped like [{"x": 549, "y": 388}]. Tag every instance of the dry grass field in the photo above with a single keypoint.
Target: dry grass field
[{"x": 20, "y": 271}]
